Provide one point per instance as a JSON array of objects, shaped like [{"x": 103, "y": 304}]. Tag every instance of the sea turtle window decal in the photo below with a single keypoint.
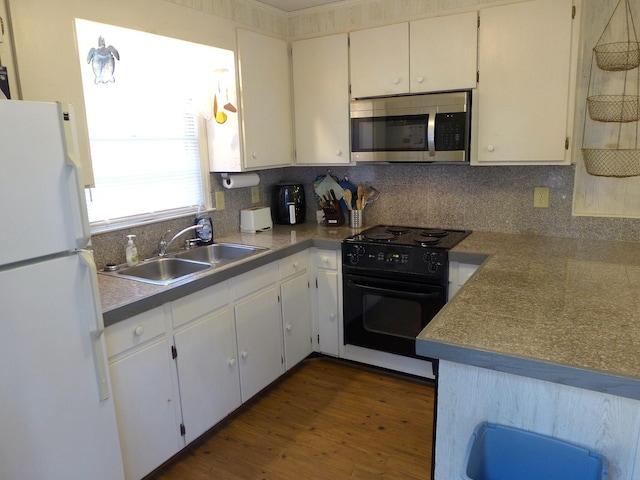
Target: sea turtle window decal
[{"x": 103, "y": 61}]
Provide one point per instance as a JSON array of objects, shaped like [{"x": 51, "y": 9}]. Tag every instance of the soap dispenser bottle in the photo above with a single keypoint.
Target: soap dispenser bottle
[
  {"x": 131, "y": 251},
  {"x": 204, "y": 234}
]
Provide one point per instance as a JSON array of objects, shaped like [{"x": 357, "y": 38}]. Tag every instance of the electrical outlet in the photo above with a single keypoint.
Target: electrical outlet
[
  {"x": 220, "y": 200},
  {"x": 255, "y": 194},
  {"x": 541, "y": 197}
]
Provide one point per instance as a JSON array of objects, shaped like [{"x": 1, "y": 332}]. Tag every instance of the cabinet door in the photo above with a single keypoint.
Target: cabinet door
[
  {"x": 443, "y": 53},
  {"x": 296, "y": 319},
  {"x": 146, "y": 408},
  {"x": 380, "y": 61},
  {"x": 525, "y": 64},
  {"x": 208, "y": 372},
  {"x": 265, "y": 96},
  {"x": 259, "y": 334},
  {"x": 321, "y": 99},
  {"x": 328, "y": 308}
]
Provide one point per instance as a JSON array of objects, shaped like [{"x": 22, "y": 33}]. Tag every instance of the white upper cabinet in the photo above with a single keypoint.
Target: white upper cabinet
[
  {"x": 321, "y": 99},
  {"x": 380, "y": 61},
  {"x": 443, "y": 53},
  {"x": 265, "y": 100},
  {"x": 434, "y": 54},
  {"x": 523, "y": 110}
]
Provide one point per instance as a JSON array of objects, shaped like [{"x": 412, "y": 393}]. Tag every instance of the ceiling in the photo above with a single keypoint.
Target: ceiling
[{"x": 292, "y": 5}]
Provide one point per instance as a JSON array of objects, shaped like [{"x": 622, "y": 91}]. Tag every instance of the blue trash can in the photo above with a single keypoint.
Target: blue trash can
[{"x": 498, "y": 452}]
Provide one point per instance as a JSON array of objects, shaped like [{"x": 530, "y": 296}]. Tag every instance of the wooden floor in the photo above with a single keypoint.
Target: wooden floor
[{"x": 325, "y": 420}]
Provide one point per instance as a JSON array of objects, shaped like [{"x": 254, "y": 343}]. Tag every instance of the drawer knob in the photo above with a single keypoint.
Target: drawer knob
[
  {"x": 232, "y": 362},
  {"x": 332, "y": 316},
  {"x": 245, "y": 354},
  {"x": 288, "y": 327},
  {"x": 139, "y": 330},
  {"x": 295, "y": 264}
]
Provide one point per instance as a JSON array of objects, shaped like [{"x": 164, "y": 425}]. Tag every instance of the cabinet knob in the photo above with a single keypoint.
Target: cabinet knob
[
  {"x": 396, "y": 81},
  {"x": 332, "y": 316},
  {"x": 245, "y": 354},
  {"x": 232, "y": 362},
  {"x": 420, "y": 79},
  {"x": 338, "y": 153},
  {"x": 288, "y": 327},
  {"x": 490, "y": 148},
  {"x": 325, "y": 260},
  {"x": 254, "y": 155},
  {"x": 295, "y": 264},
  {"x": 139, "y": 330}
]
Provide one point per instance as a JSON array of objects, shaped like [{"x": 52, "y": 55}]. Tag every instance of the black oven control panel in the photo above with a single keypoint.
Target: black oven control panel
[{"x": 394, "y": 258}]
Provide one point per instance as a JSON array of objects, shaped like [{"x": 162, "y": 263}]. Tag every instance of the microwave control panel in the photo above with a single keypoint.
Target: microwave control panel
[{"x": 450, "y": 131}]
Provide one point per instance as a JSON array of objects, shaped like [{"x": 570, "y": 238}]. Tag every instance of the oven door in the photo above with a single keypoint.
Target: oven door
[{"x": 387, "y": 314}]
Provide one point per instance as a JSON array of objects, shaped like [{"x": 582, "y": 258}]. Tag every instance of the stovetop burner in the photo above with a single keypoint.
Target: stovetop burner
[
  {"x": 410, "y": 236},
  {"x": 433, "y": 232},
  {"x": 379, "y": 236},
  {"x": 398, "y": 230},
  {"x": 427, "y": 242}
]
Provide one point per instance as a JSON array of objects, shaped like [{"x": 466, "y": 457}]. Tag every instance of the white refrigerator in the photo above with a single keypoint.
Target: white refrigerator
[{"x": 57, "y": 418}]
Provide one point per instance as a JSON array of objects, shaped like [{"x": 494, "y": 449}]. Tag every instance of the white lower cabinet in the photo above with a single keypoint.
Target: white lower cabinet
[
  {"x": 180, "y": 368},
  {"x": 258, "y": 328},
  {"x": 145, "y": 393},
  {"x": 259, "y": 334},
  {"x": 205, "y": 341},
  {"x": 295, "y": 300},
  {"x": 327, "y": 301}
]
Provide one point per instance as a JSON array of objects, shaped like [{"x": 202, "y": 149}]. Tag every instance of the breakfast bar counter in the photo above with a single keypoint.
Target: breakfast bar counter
[{"x": 545, "y": 337}]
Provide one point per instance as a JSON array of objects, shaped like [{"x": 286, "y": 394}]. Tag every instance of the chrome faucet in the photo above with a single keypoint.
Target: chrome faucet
[{"x": 163, "y": 245}]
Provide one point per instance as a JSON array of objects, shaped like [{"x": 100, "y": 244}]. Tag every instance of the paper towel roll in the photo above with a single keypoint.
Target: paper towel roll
[{"x": 239, "y": 180}]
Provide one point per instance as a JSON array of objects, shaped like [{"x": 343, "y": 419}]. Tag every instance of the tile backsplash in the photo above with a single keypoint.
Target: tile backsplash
[{"x": 498, "y": 199}]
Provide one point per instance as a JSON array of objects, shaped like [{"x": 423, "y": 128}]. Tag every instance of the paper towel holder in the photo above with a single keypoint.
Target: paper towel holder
[{"x": 239, "y": 180}]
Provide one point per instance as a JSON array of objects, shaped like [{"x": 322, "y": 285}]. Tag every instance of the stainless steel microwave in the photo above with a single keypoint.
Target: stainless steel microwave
[{"x": 433, "y": 127}]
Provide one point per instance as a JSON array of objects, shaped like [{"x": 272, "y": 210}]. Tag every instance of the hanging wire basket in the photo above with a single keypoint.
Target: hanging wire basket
[
  {"x": 603, "y": 162},
  {"x": 617, "y": 56},
  {"x": 622, "y": 55},
  {"x": 614, "y": 108}
]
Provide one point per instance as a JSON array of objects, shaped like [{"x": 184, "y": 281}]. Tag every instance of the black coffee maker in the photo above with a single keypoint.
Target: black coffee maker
[{"x": 288, "y": 204}]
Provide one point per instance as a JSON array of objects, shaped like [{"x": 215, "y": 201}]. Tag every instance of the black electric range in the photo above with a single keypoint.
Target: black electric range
[{"x": 401, "y": 251}]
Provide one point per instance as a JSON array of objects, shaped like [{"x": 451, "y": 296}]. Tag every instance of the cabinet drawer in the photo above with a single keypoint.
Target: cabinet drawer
[
  {"x": 293, "y": 264},
  {"x": 134, "y": 331},
  {"x": 327, "y": 259},
  {"x": 254, "y": 280},
  {"x": 200, "y": 303}
]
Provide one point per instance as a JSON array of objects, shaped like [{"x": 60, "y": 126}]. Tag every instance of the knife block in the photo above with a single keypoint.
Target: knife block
[{"x": 333, "y": 216}]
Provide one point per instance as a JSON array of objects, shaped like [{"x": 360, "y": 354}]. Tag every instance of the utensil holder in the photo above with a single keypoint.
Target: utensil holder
[{"x": 356, "y": 218}]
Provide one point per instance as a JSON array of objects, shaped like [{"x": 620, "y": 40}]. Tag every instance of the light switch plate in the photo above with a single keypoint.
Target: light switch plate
[{"x": 255, "y": 194}]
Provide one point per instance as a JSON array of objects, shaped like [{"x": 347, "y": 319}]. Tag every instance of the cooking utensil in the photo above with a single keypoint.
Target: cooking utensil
[
  {"x": 346, "y": 194},
  {"x": 360, "y": 197},
  {"x": 229, "y": 106},
  {"x": 370, "y": 196}
]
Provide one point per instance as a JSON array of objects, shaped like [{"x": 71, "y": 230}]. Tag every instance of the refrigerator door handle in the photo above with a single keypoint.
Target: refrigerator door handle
[
  {"x": 97, "y": 343},
  {"x": 73, "y": 160}
]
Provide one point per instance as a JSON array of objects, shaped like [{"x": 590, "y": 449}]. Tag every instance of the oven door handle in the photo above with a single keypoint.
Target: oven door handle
[{"x": 402, "y": 293}]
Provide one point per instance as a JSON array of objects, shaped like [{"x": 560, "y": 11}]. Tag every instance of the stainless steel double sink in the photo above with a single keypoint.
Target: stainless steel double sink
[{"x": 179, "y": 266}]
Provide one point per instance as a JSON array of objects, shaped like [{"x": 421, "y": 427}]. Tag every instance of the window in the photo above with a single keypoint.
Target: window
[{"x": 145, "y": 98}]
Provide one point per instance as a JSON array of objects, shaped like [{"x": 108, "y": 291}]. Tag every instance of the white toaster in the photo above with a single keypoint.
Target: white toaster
[{"x": 255, "y": 219}]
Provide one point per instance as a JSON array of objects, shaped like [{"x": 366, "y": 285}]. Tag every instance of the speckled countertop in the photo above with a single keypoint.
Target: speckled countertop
[
  {"x": 557, "y": 309},
  {"x": 122, "y": 298}
]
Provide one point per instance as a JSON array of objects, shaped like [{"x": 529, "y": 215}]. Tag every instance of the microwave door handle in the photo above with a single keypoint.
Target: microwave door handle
[
  {"x": 431, "y": 134},
  {"x": 402, "y": 293}
]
